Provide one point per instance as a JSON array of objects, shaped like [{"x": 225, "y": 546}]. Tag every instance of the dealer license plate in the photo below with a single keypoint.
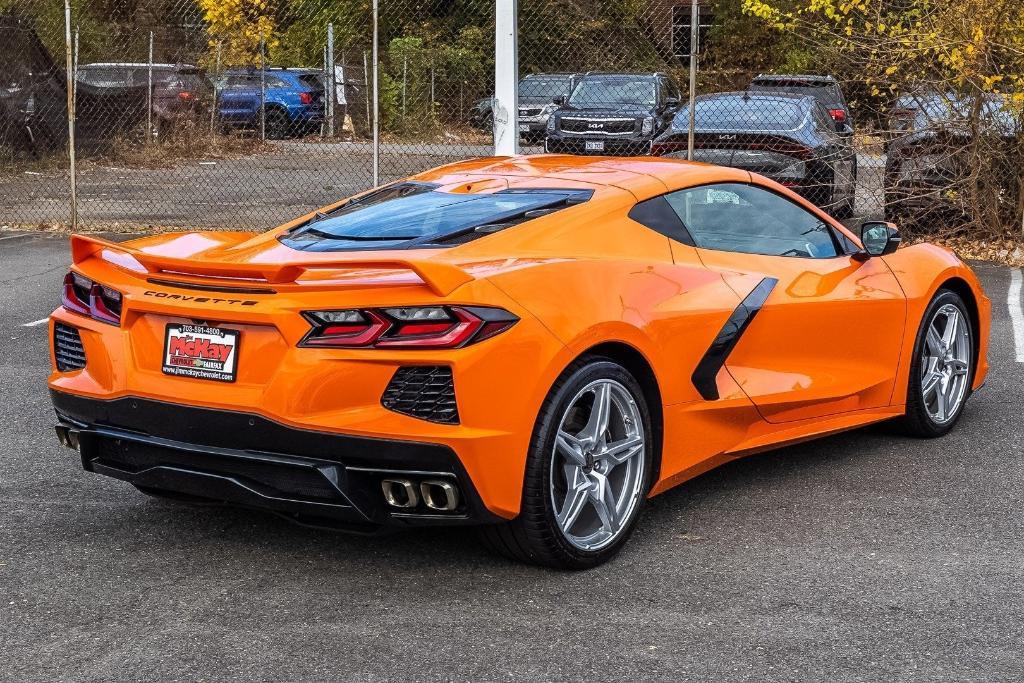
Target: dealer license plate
[
  {"x": 201, "y": 351},
  {"x": 595, "y": 145}
]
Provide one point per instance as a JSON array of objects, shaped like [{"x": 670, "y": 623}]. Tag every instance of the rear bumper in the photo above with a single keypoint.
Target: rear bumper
[{"x": 236, "y": 458}]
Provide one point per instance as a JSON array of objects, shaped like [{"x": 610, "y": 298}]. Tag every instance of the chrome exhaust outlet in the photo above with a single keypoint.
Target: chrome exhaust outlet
[
  {"x": 400, "y": 493},
  {"x": 439, "y": 495},
  {"x": 68, "y": 437}
]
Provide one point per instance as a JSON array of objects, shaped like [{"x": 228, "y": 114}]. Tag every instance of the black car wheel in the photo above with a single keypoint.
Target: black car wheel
[
  {"x": 588, "y": 471},
  {"x": 942, "y": 370},
  {"x": 277, "y": 124}
]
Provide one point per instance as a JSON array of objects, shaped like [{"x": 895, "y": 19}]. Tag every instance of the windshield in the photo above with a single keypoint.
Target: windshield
[
  {"x": 744, "y": 114},
  {"x": 614, "y": 90},
  {"x": 419, "y": 213},
  {"x": 547, "y": 88}
]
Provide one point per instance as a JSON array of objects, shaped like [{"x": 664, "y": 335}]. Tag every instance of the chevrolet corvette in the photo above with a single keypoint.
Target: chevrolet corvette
[{"x": 531, "y": 345}]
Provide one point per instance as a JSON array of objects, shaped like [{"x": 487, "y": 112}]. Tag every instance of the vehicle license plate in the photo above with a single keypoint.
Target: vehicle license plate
[{"x": 201, "y": 352}]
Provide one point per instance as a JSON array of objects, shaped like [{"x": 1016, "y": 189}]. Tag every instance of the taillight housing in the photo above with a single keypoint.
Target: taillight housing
[
  {"x": 305, "y": 98},
  {"x": 82, "y": 295},
  {"x": 412, "y": 327}
]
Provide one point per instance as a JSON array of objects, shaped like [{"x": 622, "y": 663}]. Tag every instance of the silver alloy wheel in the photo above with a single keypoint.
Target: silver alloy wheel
[
  {"x": 597, "y": 467},
  {"x": 945, "y": 363}
]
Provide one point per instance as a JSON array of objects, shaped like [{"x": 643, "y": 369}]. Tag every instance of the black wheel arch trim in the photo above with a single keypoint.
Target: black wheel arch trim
[{"x": 704, "y": 376}]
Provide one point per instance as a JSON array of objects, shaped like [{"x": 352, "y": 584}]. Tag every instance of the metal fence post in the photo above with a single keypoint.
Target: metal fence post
[
  {"x": 405, "y": 82},
  {"x": 149, "y": 92},
  {"x": 366, "y": 87},
  {"x": 72, "y": 166},
  {"x": 694, "y": 37},
  {"x": 263, "y": 90},
  {"x": 376, "y": 95},
  {"x": 331, "y": 80},
  {"x": 75, "y": 66},
  {"x": 216, "y": 92},
  {"x": 506, "y": 78}
]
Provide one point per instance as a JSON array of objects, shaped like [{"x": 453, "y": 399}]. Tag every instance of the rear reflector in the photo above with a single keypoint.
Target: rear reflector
[{"x": 838, "y": 115}]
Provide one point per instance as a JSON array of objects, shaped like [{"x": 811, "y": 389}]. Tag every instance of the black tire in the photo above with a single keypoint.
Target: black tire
[
  {"x": 917, "y": 421},
  {"x": 277, "y": 124},
  {"x": 534, "y": 537}
]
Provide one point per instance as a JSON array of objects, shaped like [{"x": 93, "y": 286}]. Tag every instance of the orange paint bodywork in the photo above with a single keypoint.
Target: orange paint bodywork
[{"x": 830, "y": 350}]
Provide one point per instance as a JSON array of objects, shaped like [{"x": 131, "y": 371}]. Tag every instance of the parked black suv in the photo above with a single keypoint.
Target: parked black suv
[
  {"x": 613, "y": 114},
  {"x": 825, "y": 89}
]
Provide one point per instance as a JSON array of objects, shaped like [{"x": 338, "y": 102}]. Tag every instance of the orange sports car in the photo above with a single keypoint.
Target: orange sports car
[{"x": 533, "y": 345}]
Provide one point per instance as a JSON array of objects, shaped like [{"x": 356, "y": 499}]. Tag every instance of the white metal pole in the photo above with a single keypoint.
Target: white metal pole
[
  {"x": 331, "y": 80},
  {"x": 506, "y": 78},
  {"x": 376, "y": 96},
  {"x": 72, "y": 167},
  {"x": 405, "y": 81},
  {"x": 327, "y": 94},
  {"x": 694, "y": 37},
  {"x": 149, "y": 91}
]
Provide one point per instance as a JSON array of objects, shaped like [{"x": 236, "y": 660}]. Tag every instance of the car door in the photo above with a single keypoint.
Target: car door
[{"x": 822, "y": 331}]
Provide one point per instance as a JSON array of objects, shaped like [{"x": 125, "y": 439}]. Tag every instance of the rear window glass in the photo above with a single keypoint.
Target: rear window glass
[
  {"x": 544, "y": 86},
  {"x": 745, "y": 114},
  {"x": 417, "y": 214},
  {"x": 826, "y": 93},
  {"x": 313, "y": 81}
]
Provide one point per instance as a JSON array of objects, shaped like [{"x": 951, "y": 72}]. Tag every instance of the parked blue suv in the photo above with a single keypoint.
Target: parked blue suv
[{"x": 294, "y": 100}]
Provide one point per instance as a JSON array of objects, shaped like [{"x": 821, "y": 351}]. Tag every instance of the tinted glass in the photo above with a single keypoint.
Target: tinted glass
[
  {"x": 313, "y": 81},
  {"x": 747, "y": 219},
  {"x": 412, "y": 211},
  {"x": 545, "y": 87},
  {"x": 600, "y": 91},
  {"x": 745, "y": 113},
  {"x": 828, "y": 94}
]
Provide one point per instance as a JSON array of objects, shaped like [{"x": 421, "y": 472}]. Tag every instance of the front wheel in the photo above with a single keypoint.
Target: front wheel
[
  {"x": 588, "y": 471},
  {"x": 942, "y": 370}
]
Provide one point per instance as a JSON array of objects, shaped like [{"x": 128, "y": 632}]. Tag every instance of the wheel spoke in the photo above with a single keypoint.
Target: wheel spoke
[
  {"x": 940, "y": 402},
  {"x": 952, "y": 325},
  {"x": 600, "y": 413},
  {"x": 930, "y": 383},
  {"x": 576, "y": 497},
  {"x": 621, "y": 451},
  {"x": 959, "y": 367},
  {"x": 570, "y": 447},
  {"x": 935, "y": 342},
  {"x": 603, "y": 501}
]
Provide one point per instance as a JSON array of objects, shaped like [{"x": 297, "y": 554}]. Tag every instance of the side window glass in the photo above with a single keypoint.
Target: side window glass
[{"x": 751, "y": 220}]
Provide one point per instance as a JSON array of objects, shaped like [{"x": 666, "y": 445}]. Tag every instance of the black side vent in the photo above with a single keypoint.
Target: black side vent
[
  {"x": 423, "y": 391},
  {"x": 67, "y": 348}
]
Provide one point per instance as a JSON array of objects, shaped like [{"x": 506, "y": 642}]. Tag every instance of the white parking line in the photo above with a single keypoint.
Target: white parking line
[
  {"x": 36, "y": 323},
  {"x": 11, "y": 237},
  {"x": 1016, "y": 305}
]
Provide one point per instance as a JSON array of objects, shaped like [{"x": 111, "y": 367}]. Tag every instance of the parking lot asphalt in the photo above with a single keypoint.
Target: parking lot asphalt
[{"x": 862, "y": 557}]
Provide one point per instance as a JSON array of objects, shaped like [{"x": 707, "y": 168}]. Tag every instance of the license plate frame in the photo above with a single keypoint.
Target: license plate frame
[
  {"x": 524, "y": 128},
  {"x": 594, "y": 146},
  {"x": 197, "y": 351}
]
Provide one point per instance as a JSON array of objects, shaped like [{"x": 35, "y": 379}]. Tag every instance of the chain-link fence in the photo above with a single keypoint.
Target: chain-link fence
[{"x": 242, "y": 114}]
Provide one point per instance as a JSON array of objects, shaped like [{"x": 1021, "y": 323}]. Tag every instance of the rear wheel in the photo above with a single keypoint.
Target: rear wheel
[
  {"x": 277, "y": 124},
  {"x": 943, "y": 368},
  {"x": 587, "y": 473}
]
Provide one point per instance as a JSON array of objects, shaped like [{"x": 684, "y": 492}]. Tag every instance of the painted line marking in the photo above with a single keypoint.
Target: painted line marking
[
  {"x": 14, "y": 237},
  {"x": 1016, "y": 306},
  {"x": 36, "y": 323}
]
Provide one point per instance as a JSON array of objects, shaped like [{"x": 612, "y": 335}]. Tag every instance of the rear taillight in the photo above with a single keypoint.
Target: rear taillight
[
  {"x": 417, "y": 327},
  {"x": 305, "y": 98},
  {"x": 82, "y": 295},
  {"x": 185, "y": 96},
  {"x": 838, "y": 115}
]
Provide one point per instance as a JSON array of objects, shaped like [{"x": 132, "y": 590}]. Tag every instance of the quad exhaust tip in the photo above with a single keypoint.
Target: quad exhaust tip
[
  {"x": 68, "y": 437},
  {"x": 435, "y": 494}
]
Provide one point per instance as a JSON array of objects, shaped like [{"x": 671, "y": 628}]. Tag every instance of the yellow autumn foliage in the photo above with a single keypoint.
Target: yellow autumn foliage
[{"x": 237, "y": 26}]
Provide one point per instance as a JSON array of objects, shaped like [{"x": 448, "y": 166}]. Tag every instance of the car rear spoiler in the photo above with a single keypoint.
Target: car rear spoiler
[{"x": 441, "y": 278}]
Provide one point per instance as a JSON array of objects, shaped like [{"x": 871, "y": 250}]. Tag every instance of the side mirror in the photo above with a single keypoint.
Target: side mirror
[
  {"x": 560, "y": 100},
  {"x": 879, "y": 239}
]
